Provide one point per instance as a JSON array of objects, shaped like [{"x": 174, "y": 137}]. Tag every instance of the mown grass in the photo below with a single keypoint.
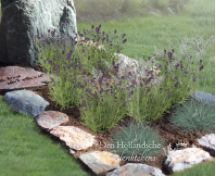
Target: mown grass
[
  {"x": 25, "y": 151},
  {"x": 148, "y": 34},
  {"x": 205, "y": 169}
]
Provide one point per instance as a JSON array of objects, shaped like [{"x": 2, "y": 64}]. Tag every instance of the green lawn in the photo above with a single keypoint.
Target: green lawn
[
  {"x": 152, "y": 33},
  {"x": 205, "y": 169},
  {"x": 25, "y": 151}
]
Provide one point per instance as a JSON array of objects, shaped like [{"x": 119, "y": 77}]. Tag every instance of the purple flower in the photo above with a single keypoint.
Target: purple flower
[
  {"x": 69, "y": 55},
  {"x": 97, "y": 29}
]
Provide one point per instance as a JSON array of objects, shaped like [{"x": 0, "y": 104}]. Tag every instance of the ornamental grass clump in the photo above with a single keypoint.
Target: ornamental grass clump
[
  {"x": 137, "y": 142},
  {"x": 194, "y": 116}
]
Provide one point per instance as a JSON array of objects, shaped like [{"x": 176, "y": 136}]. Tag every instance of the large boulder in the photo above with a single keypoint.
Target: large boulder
[{"x": 23, "y": 20}]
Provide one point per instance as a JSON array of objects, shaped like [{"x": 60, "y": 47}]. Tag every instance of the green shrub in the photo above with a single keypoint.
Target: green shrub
[
  {"x": 85, "y": 76},
  {"x": 94, "y": 10},
  {"x": 148, "y": 104},
  {"x": 137, "y": 141},
  {"x": 176, "y": 80},
  {"x": 194, "y": 116},
  {"x": 65, "y": 88},
  {"x": 78, "y": 72},
  {"x": 104, "y": 110}
]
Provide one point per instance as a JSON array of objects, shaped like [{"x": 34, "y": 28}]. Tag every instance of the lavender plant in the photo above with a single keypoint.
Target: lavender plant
[
  {"x": 98, "y": 48},
  {"x": 56, "y": 59},
  {"x": 105, "y": 108},
  {"x": 176, "y": 81},
  {"x": 83, "y": 75}
]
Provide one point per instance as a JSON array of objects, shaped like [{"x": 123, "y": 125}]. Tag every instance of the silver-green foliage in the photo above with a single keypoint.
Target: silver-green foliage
[
  {"x": 194, "y": 116},
  {"x": 137, "y": 141}
]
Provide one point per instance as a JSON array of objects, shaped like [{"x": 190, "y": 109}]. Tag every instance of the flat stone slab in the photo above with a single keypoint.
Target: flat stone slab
[
  {"x": 179, "y": 160},
  {"x": 100, "y": 161},
  {"x": 26, "y": 102},
  {"x": 51, "y": 119},
  {"x": 133, "y": 169},
  {"x": 15, "y": 77},
  {"x": 207, "y": 141},
  {"x": 204, "y": 97},
  {"x": 74, "y": 137}
]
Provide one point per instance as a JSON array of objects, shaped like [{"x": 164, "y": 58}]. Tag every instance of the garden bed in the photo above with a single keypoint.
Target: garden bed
[{"x": 173, "y": 137}]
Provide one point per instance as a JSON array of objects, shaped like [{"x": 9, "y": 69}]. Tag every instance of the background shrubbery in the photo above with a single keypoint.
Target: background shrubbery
[{"x": 90, "y": 10}]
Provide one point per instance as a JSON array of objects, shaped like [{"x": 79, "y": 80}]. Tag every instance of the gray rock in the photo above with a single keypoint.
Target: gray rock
[
  {"x": 204, "y": 97},
  {"x": 135, "y": 70},
  {"x": 207, "y": 141},
  {"x": 23, "y": 20},
  {"x": 136, "y": 170},
  {"x": 100, "y": 161},
  {"x": 51, "y": 119},
  {"x": 179, "y": 160},
  {"x": 26, "y": 102}
]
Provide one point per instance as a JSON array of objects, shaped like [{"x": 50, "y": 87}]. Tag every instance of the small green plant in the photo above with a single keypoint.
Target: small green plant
[
  {"x": 194, "y": 116},
  {"x": 55, "y": 58},
  {"x": 148, "y": 103},
  {"x": 137, "y": 141},
  {"x": 175, "y": 81},
  {"x": 96, "y": 49},
  {"x": 105, "y": 109}
]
